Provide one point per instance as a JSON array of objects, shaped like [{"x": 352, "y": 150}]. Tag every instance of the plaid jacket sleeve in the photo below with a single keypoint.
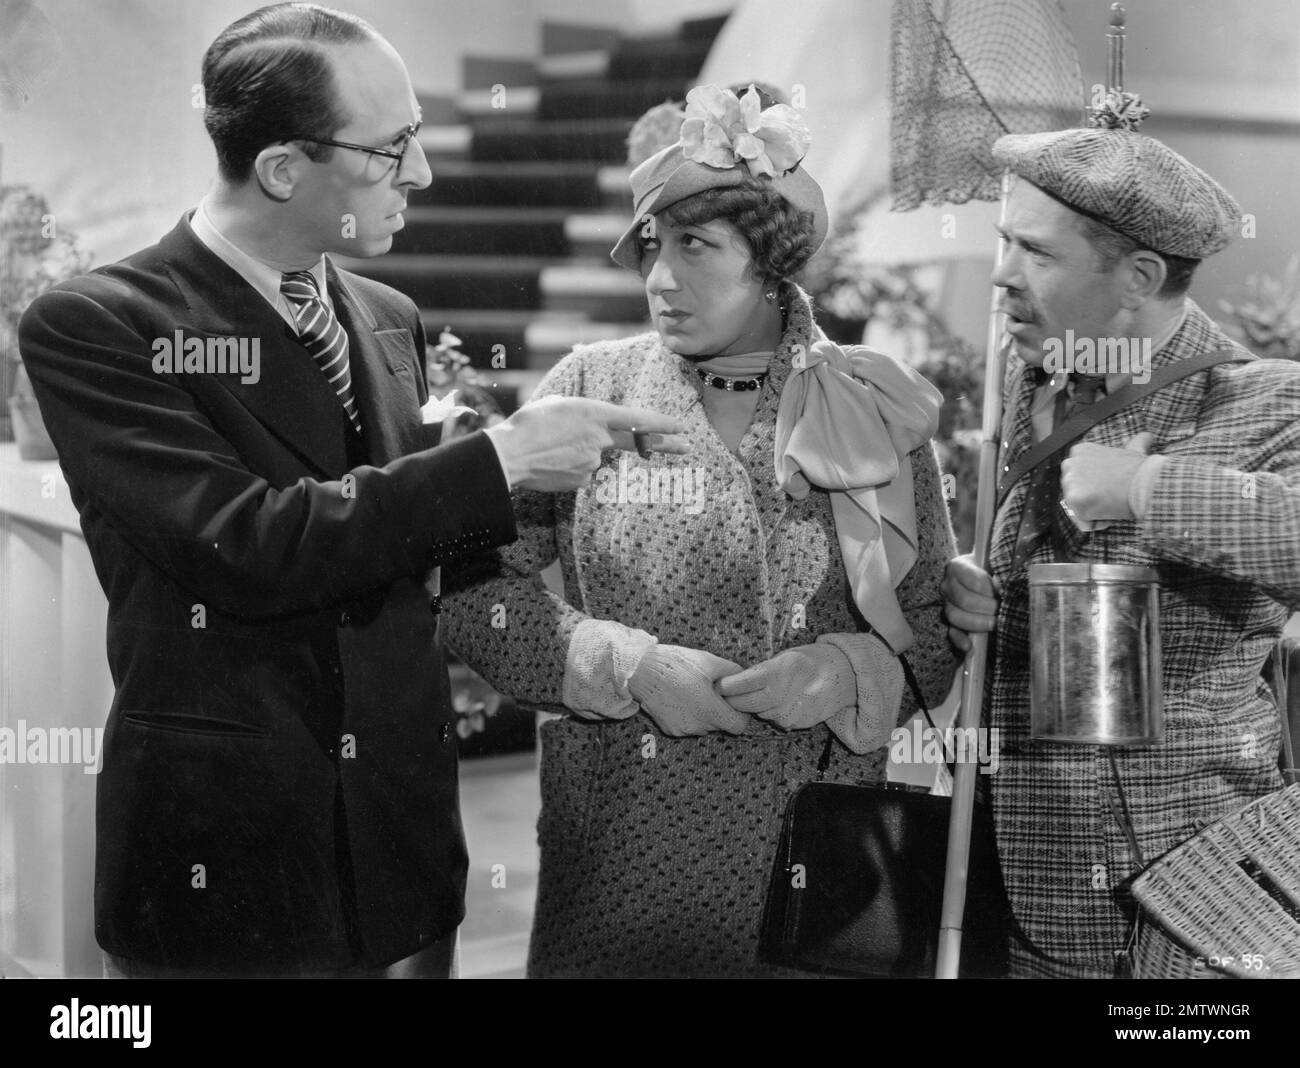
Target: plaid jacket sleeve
[{"x": 1238, "y": 515}]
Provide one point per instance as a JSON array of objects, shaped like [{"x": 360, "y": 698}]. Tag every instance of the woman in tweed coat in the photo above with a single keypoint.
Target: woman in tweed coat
[{"x": 710, "y": 634}]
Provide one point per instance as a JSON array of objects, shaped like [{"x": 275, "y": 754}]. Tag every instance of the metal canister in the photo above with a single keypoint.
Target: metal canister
[{"x": 1095, "y": 654}]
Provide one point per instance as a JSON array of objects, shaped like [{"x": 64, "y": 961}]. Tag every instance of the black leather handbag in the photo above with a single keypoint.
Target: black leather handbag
[{"x": 857, "y": 886}]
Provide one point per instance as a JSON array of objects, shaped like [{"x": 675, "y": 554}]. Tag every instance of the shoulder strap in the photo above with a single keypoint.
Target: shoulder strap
[
  {"x": 824, "y": 762},
  {"x": 1078, "y": 425}
]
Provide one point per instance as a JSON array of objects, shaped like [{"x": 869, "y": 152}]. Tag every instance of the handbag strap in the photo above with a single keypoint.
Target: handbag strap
[{"x": 1079, "y": 424}]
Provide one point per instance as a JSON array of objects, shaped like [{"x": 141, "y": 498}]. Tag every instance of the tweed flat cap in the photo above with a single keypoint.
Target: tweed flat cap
[{"x": 1132, "y": 183}]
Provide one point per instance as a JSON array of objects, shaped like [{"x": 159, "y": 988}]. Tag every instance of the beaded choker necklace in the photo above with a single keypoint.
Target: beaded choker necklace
[
  {"x": 731, "y": 384},
  {"x": 753, "y": 362}
]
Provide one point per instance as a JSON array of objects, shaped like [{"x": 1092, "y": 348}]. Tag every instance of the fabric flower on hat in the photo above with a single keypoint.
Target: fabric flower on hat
[
  {"x": 1119, "y": 111},
  {"x": 722, "y": 130}
]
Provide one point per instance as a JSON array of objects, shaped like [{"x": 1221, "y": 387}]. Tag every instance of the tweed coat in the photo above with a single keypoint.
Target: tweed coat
[
  {"x": 1223, "y": 534},
  {"x": 656, "y": 851}
]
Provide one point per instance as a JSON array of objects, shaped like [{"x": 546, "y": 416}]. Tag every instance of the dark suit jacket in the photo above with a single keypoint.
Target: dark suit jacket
[{"x": 279, "y": 780}]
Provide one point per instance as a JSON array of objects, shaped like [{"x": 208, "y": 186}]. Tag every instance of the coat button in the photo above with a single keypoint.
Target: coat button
[{"x": 445, "y": 733}]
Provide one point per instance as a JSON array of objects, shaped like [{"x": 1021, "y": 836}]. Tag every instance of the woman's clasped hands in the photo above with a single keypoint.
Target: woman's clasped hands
[{"x": 690, "y": 692}]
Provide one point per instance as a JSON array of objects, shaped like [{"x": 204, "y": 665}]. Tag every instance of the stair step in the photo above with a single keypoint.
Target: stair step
[
  {"x": 538, "y": 183},
  {"x": 596, "y": 98},
  {"x": 615, "y": 184},
  {"x": 509, "y": 246},
  {"x": 597, "y": 291},
  {"x": 550, "y": 339},
  {"x": 437, "y": 109},
  {"x": 592, "y": 64},
  {"x": 442, "y": 141},
  {"x": 595, "y": 234},
  {"x": 483, "y": 72},
  {"x": 561, "y": 38},
  {"x": 530, "y": 338},
  {"x": 659, "y": 57},
  {"x": 511, "y": 100},
  {"x": 598, "y": 140},
  {"x": 460, "y": 281},
  {"x": 527, "y": 231},
  {"x": 485, "y": 333}
]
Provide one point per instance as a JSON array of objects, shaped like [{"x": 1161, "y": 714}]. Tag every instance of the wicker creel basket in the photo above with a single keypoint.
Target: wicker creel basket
[{"x": 1226, "y": 901}]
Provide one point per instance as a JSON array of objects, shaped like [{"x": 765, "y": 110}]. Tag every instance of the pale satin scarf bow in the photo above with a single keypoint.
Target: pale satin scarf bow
[{"x": 847, "y": 420}]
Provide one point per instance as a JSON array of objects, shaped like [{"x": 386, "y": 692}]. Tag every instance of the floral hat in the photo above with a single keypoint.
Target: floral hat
[{"x": 724, "y": 139}]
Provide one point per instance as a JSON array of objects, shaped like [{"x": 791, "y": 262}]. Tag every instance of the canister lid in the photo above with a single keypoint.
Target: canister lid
[{"x": 1075, "y": 573}]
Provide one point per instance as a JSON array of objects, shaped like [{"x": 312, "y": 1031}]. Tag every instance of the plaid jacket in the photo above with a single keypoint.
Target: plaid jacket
[{"x": 1223, "y": 533}]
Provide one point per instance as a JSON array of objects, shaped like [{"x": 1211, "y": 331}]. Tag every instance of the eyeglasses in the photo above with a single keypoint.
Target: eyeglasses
[{"x": 398, "y": 153}]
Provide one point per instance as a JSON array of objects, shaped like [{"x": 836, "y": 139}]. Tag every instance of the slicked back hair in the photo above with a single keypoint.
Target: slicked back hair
[{"x": 267, "y": 78}]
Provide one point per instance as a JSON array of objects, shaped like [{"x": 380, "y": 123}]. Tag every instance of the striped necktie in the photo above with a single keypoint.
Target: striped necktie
[
  {"x": 322, "y": 335},
  {"x": 1042, "y": 512}
]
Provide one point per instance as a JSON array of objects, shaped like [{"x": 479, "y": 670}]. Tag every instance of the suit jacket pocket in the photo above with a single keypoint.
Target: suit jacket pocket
[
  {"x": 399, "y": 351},
  {"x": 185, "y": 723}
]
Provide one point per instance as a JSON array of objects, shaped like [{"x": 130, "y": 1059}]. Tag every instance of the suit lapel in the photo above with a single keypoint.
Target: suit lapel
[
  {"x": 290, "y": 396},
  {"x": 385, "y": 368}
]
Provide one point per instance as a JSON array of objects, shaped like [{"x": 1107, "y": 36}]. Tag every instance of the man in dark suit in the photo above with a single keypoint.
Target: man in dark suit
[{"x": 239, "y": 423}]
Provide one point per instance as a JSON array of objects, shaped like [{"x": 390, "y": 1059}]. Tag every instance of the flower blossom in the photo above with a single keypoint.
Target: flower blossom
[{"x": 722, "y": 130}]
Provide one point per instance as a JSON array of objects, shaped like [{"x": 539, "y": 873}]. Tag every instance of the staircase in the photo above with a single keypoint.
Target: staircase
[{"x": 509, "y": 246}]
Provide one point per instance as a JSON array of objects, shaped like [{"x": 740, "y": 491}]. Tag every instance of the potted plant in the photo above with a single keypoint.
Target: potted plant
[
  {"x": 33, "y": 257},
  {"x": 1268, "y": 319}
]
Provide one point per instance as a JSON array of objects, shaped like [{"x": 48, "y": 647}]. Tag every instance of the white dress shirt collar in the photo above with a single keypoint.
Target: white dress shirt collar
[
  {"x": 257, "y": 273},
  {"x": 1043, "y": 401}
]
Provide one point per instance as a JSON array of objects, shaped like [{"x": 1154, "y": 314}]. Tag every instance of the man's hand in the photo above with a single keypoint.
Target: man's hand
[
  {"x": 1095, "y": 480},
  {"x": 971, "y": 598},
  {"x": 555, "y": 444},
  {"x": 796, "y": 689},
  {"x": 674, "y": 687}
]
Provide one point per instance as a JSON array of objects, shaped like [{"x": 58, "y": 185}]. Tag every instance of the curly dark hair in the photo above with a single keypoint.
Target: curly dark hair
[{"x": 779, "y": 236}]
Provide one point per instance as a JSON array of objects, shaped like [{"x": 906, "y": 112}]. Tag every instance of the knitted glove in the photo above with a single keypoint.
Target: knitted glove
[
  {"x": 796, "y": 689},
  {"x": 674, "y": 686},
  {"x": 602, "y": 656},
  {"x": 866, "y": 724}
]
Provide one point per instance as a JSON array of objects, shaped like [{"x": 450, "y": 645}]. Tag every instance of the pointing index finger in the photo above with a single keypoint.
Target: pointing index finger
[{"x": 638, "y": 420}]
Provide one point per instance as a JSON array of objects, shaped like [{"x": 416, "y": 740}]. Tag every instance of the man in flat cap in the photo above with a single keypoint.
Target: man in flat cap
[{"x": 1199, "y": 481}]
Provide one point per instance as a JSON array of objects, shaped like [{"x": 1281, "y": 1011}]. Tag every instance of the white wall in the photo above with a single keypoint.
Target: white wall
[
  {"x": 115, "y": 144},
  {"x": 636, "y": 16},
  {"x": 113, "y": 140},
  {"x": 1222, "y": 79}
]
